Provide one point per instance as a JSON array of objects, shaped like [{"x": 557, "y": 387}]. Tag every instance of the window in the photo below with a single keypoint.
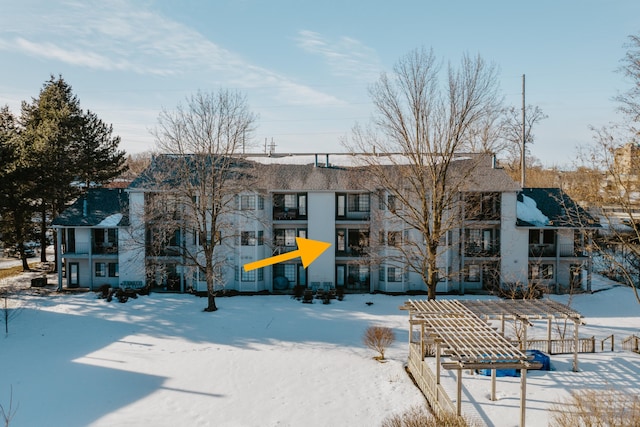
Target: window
[
  {"x": 285, "y": 270},
  {"x": 358, "y": 203},
  {"x": 260, "y": 203},
  {"x": 482, "y": 206},
  {"x": 289, "y": 206},
  {"x": 546, "y": 272},
  {"x": 341, "y": 245},
  {"x": 101, "y": 270},
  {"x": 351, "y": 242},
  {"x": 387, "y": 201},
  {"x": 302, "y": 204},
  {"x": 174, "y": 240},
  {"x": 113, "y": 269},
  {"x": 287, "y": 237},
  {"x": 248, "y": 202},
  {"x": 473, "y": 273},
  {"x": 358, "y": 276},
  {"x": 395, "y": 274},
  {"x": 541, "y": 271},
  {"x": 248, "y": 238},
  {"x": 391, "y": 202},
  {"x": 252, "y": 276},
  {"x": 340, "y": 205},
  {"x": 482, "y": 242},
  {"x": 394, "y": 238}
]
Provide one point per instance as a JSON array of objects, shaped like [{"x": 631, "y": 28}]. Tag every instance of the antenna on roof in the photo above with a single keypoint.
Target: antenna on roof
[
  {"x": 272, "y": 147},
  {"x": 523, "y": 173}
]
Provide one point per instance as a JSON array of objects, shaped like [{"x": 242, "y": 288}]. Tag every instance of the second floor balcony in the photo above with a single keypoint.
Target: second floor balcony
[{"x": 550, "y": 250}]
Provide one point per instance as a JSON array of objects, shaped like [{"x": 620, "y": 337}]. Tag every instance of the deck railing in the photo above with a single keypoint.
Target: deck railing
[
  {"x": 426, "y": 380},
  {"x": 631, "y": 343},
  {"x": 560, "y": 346}
]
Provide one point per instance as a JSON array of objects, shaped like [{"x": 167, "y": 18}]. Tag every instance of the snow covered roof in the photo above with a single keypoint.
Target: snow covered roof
[
  {"x": 98, "y": 207},
  {"x": 551, "y": 207}
]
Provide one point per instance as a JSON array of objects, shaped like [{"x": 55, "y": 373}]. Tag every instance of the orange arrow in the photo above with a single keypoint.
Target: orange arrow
[{"x": 308, "y": 250}]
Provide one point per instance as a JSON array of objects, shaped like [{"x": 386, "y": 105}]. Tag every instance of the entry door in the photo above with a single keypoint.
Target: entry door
[{"x": 74, "y": 274}]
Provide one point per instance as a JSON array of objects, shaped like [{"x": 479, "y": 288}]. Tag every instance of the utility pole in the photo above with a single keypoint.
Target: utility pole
[{"x": 523, "y": 174}]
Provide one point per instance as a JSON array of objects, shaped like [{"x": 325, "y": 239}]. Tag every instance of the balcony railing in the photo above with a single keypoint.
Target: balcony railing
[
  {"x": 284, "y": 214},
  {"x": 549, "y": 250},
  {"x": 105, "y": 249},
  {"x": 77, "y": 248},
  {"x": 474, "y": 250}
]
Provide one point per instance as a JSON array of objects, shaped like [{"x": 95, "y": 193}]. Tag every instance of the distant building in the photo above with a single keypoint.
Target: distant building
[{"x": 511, "y": 235}]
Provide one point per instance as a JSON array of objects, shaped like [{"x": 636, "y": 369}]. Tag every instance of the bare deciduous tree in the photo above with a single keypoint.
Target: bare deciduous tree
[
  {"x": 630, "y": 100},
  {"x": 613, "y": 157},
  {"x": 202, "y": 140},
  {"x": 511, "y": 134},
  {"x": 420, "y": 125}
]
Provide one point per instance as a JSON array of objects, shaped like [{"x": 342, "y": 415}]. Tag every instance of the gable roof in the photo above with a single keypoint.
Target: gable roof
[
  {"x": 554, "y": 204},
  {"x": 107, "y": 207},
  {"x": 303, "y": 172}
]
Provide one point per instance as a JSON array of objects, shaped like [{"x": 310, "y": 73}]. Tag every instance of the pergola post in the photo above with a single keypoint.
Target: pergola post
[
  {"x": 459, "y": 396},
  {"x": 437, "y": 363},
  {"x": 576, "y": 342},
  {"x": 525, "y": 326},
  {"x": 493, "y": 384},
  {"x": 422, "y": 345},
  {"x": 549, "y": 335},
  {"x": 523, "y": 396},
  {"x": 502, "y": 324}
]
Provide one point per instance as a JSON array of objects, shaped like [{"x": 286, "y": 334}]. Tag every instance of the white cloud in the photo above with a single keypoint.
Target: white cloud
[
  {"x": 346, "y": 56},
  {"x": 129, "y": 37}
]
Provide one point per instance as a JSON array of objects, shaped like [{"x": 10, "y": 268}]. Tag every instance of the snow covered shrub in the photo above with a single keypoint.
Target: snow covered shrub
[{"x": 378, "y": 338}]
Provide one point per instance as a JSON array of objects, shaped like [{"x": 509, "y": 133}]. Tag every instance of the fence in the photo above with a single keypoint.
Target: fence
[
  {"x": 426, "y": 380},
  {"x": 631, "y": 343},
  {"x": 560, "y": 346}
]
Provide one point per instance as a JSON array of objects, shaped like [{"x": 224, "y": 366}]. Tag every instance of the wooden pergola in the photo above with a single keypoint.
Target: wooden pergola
[
  {"x": 525, "y": 310},
  {"x": 458, "y": 335}
]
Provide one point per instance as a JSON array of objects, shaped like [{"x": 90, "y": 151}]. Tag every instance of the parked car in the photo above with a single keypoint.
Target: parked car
[{"x": 14, "y": 251}]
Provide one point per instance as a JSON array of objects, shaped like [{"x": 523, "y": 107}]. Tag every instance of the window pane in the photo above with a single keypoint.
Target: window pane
[
  {"x": 340, "y": 241},
  {"x": 290, "y": 237},
  {"x": 473, "y": 273},
  {"x": 248, "y": 238},
  {"x": 340, "y": 205},
  {"x": 248, "y": 276},
  {"x": 302, "y": 204},
  {"x": 290, "y": 201},
  {"x": 101, "y": 269},
  {"x": 113, "y": 269},
  {"x": 247, "y": 202}
]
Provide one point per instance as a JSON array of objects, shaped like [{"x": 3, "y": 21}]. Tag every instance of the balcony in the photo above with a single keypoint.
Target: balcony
[
  {"x": 105, "y": 249},
  {"x": 76, "y": 248},
  {"x": 565, "y": 250},
  {"x": 288, "y": 214},
  {"x": 473, "y": 250}
]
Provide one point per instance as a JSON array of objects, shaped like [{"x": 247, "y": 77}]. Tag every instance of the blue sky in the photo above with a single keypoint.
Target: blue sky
[{"x": 306, "y": 66}]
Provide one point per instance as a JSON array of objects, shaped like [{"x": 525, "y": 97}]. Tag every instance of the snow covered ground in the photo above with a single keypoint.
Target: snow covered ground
[{"x": 76, "y": 360}]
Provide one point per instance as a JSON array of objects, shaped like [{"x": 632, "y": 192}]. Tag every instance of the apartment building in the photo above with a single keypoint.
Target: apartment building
[{"x": 504, "y": 234}]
